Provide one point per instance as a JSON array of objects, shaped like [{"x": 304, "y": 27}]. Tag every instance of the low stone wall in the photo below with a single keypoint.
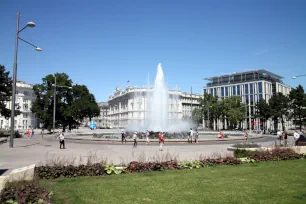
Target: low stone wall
[
  {"x": 22, "y": 174},
  {"x": 297, "y": 149}
]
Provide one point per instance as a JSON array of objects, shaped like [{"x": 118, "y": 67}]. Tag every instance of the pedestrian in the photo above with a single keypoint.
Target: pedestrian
[
  {"x": 246, "y": 135},
  {"x": 286, "y": 138},
  {"x": 190, "y": 135},
  {"x": 42, "y": 132},
  {"x": 281, "y": 138},
  {"x": 62, "y": 140},
  {"x": 135, "y": 139},
  {"x": 33, "y": 132},
  {"x": 123, "y": 136},
  {"x": 196, "y": 139},
  {"x": 29, "y": 133},
  {"x": 296, "y": 136},
  {"x": 161, "y": 141},
  {"x": 147, "y": 137}
]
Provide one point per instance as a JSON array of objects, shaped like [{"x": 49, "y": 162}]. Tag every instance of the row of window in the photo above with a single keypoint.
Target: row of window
[{"x": 236, "y": 90}]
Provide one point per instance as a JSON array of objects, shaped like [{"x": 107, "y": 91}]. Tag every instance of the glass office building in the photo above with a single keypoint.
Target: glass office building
[{"x": 251, "y": 86}]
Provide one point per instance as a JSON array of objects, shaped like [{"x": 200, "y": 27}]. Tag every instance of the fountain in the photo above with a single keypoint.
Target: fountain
[{"x": 158, "y": 104}]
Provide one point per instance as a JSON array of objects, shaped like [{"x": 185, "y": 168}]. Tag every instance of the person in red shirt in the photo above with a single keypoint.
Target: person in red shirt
[{"x": 161, "y": 141}]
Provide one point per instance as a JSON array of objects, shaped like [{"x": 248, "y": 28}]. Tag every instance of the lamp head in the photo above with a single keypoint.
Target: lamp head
[
  {"x": 38, "y": 49},
  {"x": 294, "y": 77},
  {"x": 31, "y": 24}
]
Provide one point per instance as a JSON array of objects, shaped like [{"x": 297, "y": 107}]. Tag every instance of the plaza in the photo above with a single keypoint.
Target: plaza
[{"x": 43, "y": 150}]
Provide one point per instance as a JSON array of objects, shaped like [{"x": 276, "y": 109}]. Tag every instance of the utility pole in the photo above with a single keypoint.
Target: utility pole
[
  {"x": 191, "y": 102},
  {"x": 54, "y": 104}
]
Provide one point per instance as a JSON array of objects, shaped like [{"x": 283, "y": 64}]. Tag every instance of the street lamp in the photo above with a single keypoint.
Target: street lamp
[
  {"x": 30, "y": 25},
  {"x": 54, "y": 102},
  {"x": 294, "y": 77}
]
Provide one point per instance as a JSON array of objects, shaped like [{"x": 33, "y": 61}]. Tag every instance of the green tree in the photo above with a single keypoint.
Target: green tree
[
  {"x": 298, "y": 105},
  {"x": 197, "y": 115},
  {"x": 72, "y": 105},
  {"x": 234, "y": 111},
  {"x": 279, "y": 106},
  {"x": 206, "y": 105},
  {"x": 263, "y": 112},
  {"x": 6, "y": 93}
]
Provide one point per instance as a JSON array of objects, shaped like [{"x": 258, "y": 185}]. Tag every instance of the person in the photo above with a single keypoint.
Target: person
[
  {"x": 196, "y": 138},
  {"x": 286, "y": 138},
  {"x": 147, "y": 137},
  {"x": 42, "y": 132},
  {"x": 281, "y": 137},
  {"x": 123, "y": 136},
  {"x": 221, "y": 135},
  {"x": 296, "y": 136},
  {"x": 29, "y": 133},
  {"x": 62, "y": 140},
  {"x": 190, "y": 136},
  {"x": 161, "y": 141},
  {"x": 33, "y": 132},
  {"x": 278, "y": 134},
  {"x": 135, "y": 139},
  {"x": 246, "y": 135}
]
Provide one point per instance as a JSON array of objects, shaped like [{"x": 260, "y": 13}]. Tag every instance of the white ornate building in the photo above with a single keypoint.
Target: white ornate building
[
  {"x": 130, "y": 106},
  {"x": 102, "y": 120},
  {"x": 24, "y": 99}
]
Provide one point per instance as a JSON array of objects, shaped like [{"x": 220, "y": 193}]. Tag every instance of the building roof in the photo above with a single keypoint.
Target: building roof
[
  {"x": 260, "y": 71},
  {"x": 22, "y": 84}
]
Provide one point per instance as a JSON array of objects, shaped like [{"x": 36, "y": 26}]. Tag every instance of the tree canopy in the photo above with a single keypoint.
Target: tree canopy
[
  {"x": 72, "y": 105},
  {"x": 6, "y": 93}
]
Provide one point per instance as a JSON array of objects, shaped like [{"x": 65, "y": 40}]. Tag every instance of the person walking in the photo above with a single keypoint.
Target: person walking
[
  {"x": 147, "y": 137},
  {"x": 29, "y": 133},
  {"x": 286, "y": 138},
  {"x": 296, "y": 136},
  {"x": 42, "y": 132},
  {"x": 62, "y": 140},
  {"x": 135, "y": 139},
  {"x": 246, "y": 135},
  {"x": 196, "y": 139},
  {"x": 33, "y": 132},
  {"x": 123, "y": 136},
  {"x": 161, "y": 141},
  {"x": 190, "y": 135}
]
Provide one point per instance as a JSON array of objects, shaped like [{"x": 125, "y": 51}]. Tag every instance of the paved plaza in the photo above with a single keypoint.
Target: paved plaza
[{"x": 37, "y": 150}]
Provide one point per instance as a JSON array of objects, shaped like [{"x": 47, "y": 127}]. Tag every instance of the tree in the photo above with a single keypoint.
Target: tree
[
  {"x": 298, "y": 105},
  {"x": 279, "y": 106},
  {"x": 72, "y": 105},
  {"x": 234, "y": 111},
  {"x": 263, "y": 112},
  {"x": 197, "y": 115},
  {"x": 5, "y": 93},
  {"x": 206, "y": 104}
]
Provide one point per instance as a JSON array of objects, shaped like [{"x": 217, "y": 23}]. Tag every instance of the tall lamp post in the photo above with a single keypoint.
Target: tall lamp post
[
  {"x": 30, "y": 25},
  {"x": 54, "y": 102}
]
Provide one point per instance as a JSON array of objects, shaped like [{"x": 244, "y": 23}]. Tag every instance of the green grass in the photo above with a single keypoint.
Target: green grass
[{"x": 272, "y": 182}]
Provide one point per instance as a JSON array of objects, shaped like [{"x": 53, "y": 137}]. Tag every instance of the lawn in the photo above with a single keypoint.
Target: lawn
[{"x": 271, "y": 182}]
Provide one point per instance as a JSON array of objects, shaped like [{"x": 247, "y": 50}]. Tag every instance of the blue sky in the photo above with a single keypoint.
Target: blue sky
[{"x": 102, "y": 44}]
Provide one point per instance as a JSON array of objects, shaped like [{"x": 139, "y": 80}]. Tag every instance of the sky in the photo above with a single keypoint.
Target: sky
[{"x": 103, "y": 44}]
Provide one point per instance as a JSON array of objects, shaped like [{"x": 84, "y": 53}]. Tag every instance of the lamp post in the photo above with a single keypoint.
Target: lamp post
[
  {"x": 294, "y": 77},
  {"x": 30, "y": 25},
  {"x": 54, "y": 100}
]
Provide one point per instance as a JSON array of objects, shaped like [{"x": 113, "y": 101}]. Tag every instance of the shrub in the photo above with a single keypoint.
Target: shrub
[
  {"x": 52, "y": 172},
  {"x": 190, "y": 164},
  {"x": 111, "y": 169},
  {"x": 246, "y": 145},
  {"x": 240, "y": 153},
  {"x": 220, "y": 161},
  {"x": 275, "y": 155},
  {"x": 29, "y": 193}
]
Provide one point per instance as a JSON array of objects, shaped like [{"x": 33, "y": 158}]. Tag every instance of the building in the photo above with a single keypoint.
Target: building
[
  {"x": 251, "y": 86},
  {"x": 24, "y": 98},
  {"x": 102, "y": 120},
  {"x": 130, "y": 106}
]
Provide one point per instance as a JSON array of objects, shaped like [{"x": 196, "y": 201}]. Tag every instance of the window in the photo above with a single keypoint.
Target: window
[
  {"x": 205, "y": 91},
  {"x": 252, "y": 99},
  {"x": 222, "y": 91},
  {"x": 246, "y": 89},
  {"x": 25, "y": 115},
  {"x": 246, "y": 98},
  {"x": 234, "y": 90},
  {"x": 251, "y": 88},
  {"x": 260, "y": 96},
  {"x": 215, "y": 91},
  {"x": 260, "y": 87},
  {"x": 238, "y": 90},
  {"x": 226, "y": 91},
  {"x": 25, "y": 93}
]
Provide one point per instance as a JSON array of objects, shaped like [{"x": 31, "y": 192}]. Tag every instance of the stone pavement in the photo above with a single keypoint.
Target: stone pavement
[{"x": 38, "y": 150}]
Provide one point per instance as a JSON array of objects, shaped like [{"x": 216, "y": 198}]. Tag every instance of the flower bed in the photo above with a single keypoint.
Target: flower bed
[
  {"x": 24, "y": 194},
  {"x": 51, "y": 172}
]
